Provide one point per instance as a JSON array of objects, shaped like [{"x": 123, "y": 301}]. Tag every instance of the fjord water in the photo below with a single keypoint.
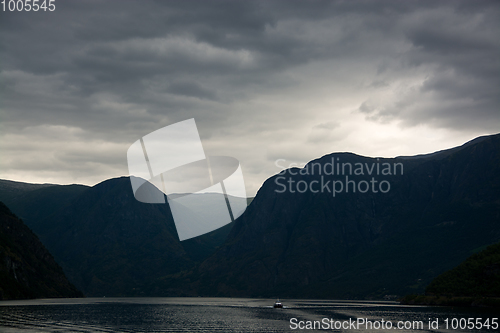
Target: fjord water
[{"x": 211, "y": 315}]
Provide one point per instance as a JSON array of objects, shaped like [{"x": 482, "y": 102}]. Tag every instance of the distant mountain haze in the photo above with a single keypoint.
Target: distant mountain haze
[{"x": 345, "y": 226}]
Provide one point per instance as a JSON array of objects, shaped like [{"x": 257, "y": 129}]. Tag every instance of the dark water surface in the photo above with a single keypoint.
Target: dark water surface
[{"x": 227, "y": 315}]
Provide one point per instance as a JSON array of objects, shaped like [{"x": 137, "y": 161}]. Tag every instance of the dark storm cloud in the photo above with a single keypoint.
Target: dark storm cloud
[
  {"x": 117, "y": 70},
  {"x": 191, "y": 89},
  {"x": 124, "y": 47},
  {"x": 459, "y": 43}
]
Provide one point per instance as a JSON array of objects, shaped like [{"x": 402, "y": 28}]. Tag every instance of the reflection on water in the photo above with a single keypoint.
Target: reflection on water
[{"x": 215, "y": 315}]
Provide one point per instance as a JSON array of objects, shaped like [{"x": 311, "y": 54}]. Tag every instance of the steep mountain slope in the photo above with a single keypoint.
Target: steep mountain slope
[
  {"x": 27, "y": 269},
  {"x": 136, "y": 244},
  {"x": 478, "y": 276},
  {"x": 110, "y": 244},
  {"x": 392, "y": 232},
  {"x": 475, "y": 282},
  {"x": 357, "y": 245}
]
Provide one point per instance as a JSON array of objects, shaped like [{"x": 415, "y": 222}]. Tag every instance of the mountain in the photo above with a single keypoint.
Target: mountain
[
  {"x": 401, "y": 223},
  {"x": 27, "y": 269},
  {"x": 10, "y": 189},
  {"x": 359, "y": 245},
  {"x": 475, "y": 282},
  {"x": 107, "y": 242},
  {"x": 35, "y": 202},
  {"x": 478, "y": 276},
  {"x": 110, "y": 244}
]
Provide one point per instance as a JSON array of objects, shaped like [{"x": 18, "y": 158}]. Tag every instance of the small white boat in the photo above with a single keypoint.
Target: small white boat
[{"x": 278, "y": 304}]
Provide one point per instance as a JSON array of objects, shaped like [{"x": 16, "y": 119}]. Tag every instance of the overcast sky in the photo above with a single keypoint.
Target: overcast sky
[{"x": 264, "y": 80}]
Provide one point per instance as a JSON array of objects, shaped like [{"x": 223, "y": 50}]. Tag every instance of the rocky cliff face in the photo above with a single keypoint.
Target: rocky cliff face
[
  {"x": 356, "y": 244},
  {"x": 27, "y": 269}
]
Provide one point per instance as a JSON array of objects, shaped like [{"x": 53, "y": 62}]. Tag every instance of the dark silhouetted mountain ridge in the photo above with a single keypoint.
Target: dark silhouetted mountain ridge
[
  {"x": 27, "y": 269},
  {"x": 289, "y": 244},
  {"x": 358, "y": 245}
]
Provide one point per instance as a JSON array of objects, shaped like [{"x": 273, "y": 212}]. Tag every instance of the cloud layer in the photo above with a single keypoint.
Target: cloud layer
[{"x": 264, "y": 80}]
